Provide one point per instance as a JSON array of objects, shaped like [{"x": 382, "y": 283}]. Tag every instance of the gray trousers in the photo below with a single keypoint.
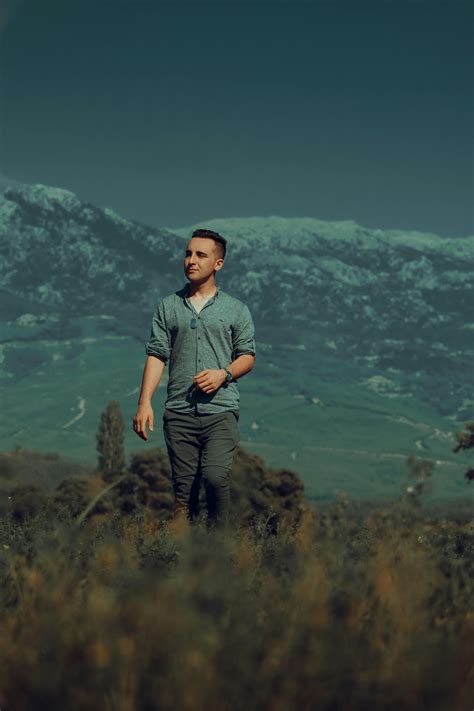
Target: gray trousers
[{"x": 202, "y": 446}]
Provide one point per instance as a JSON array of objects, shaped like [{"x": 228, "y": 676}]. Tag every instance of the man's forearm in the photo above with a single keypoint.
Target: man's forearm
[
  {"x": 152, "y": 373},
  {"x": 241, "y": 365}
]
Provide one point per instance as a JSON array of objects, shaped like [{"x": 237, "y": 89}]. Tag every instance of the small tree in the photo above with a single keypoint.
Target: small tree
[
  {"x": 110, "y": 438},
  {"x": 466, "y": 441}
]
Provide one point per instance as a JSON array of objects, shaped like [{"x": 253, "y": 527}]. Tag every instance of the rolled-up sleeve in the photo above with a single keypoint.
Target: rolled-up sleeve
[
  {"x": 243, "y": 339},
  {"x": 159, "y": 342}
]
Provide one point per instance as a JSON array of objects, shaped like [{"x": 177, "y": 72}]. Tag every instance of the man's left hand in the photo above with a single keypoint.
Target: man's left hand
[{"x": 209, "y": 380}]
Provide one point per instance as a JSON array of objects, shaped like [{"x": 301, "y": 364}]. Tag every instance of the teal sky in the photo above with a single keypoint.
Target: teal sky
[{"x": 173, "y": 113}]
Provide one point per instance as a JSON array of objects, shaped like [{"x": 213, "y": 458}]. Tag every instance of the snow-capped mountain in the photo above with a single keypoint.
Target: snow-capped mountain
[
  {"x": 63, "y": 255},
  {"x": 401, "y": 299}
]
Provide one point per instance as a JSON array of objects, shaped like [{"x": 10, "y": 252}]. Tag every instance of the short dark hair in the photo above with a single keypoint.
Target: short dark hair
[{"x": 218, "y": 239}]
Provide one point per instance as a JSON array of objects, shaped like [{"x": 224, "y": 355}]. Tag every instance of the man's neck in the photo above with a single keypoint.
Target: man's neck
[{"x": 201, "y": 291}]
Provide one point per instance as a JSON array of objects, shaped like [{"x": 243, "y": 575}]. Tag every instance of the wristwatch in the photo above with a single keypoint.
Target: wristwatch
[{"x": 228, "y": 376}]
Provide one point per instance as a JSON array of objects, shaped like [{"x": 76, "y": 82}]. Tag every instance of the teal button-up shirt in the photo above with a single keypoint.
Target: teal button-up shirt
[{"x": 190, "y": 342}]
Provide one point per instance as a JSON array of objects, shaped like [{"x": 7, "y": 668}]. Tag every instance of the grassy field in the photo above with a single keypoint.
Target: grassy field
[{"x": 339, "y": 428}]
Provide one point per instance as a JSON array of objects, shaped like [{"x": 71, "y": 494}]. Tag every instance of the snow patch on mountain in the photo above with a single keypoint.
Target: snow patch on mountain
[
  {"x": 303, "y": 232},
  {"x": 44, "y": 196}
]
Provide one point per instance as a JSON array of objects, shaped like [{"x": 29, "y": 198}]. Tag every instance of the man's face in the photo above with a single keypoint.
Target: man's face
[{"x": 201, "y": 257}]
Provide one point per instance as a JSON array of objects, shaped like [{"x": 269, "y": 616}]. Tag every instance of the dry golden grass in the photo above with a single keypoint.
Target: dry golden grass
[{"x": 130, "y": 613}]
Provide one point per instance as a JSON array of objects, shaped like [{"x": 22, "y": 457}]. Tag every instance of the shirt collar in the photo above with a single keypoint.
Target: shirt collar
[{"x": 186, "y": 291}]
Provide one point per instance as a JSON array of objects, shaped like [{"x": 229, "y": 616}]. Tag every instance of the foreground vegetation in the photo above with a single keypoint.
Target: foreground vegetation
[{"x": 344, "y": 611}]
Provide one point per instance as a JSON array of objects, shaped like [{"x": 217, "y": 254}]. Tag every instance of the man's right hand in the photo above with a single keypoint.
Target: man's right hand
[{"x": 143, "y": 415}]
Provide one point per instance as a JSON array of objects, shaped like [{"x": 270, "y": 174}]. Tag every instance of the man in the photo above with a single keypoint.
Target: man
[{"x": 208, "y": 338}]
